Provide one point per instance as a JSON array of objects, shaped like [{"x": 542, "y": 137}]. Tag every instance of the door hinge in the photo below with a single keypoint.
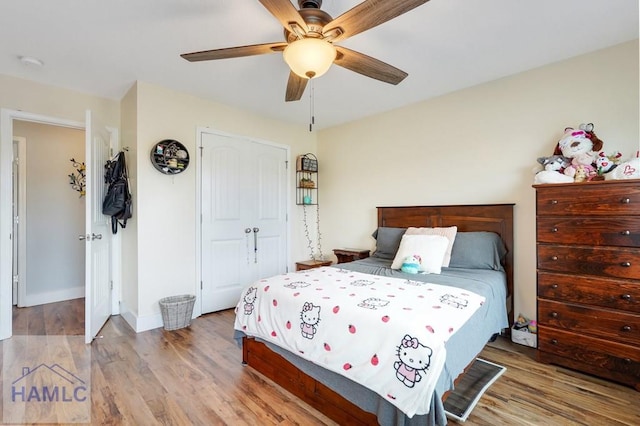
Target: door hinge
[
  {"x": 111, "y": 285},
  {"x": 200, "y": 285},
  {"x": 286, "y": 164}
]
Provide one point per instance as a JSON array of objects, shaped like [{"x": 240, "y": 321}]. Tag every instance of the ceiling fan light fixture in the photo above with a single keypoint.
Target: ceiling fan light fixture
[{"x": 309, "y": 57}]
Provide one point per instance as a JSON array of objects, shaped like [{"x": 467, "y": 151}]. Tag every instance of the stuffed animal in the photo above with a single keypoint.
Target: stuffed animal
[
  {"x": 630, "y": 169},
  {"x": 411, "y": 264},
  {"x": 581, "y": 168},
  {"x": 605, "y": 163},
  {"x": 573, "y": 159},
  {"x": 553, "y": 170},
  {"x": 595, "y": 140},
  {"x": 555, "y": 162},
  {"x": 578, "y": 141},
  {"x": 578, "y": 145}
]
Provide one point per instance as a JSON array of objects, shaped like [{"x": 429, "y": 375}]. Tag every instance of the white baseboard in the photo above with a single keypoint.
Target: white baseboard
[
  {"x": 140, "y": 324},
  {"x": 54, "y": 296},
  {"x": 147, "y": 322}
]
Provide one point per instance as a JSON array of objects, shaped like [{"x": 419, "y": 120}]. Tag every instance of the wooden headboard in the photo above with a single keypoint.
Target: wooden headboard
[{"x": 496, "y": 218}]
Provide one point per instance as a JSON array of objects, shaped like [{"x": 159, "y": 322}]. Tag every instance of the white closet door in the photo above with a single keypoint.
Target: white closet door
[{"x": 243, "y": 216}]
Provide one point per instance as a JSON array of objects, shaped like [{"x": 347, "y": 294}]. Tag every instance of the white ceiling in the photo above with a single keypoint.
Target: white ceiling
[{"x": 103, "y": 47}]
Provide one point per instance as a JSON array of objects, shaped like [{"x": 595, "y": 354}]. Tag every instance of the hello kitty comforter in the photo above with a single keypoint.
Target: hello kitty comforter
[{"x": 385, "y": 333}]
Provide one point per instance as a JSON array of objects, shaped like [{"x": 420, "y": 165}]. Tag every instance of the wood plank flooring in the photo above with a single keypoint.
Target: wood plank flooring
[
  {"x": 194, "y": 376},
  {"x": 53, "y": 319}
]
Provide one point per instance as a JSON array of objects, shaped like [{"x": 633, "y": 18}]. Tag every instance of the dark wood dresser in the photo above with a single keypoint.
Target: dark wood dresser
[{"x": 588, "y": 266}]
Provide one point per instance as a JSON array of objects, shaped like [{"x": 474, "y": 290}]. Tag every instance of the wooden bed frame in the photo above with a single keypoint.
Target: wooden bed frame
[{"x": 496, "y": 218}]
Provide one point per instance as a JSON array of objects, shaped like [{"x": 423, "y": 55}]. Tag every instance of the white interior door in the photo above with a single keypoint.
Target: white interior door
[
  {"x": 97, "y": 235},
  {"x": 243, "y": 202}
]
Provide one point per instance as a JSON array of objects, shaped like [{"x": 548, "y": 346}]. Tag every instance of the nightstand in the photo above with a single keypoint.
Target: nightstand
[
  {"x": 349, "y": 254},
  {"x": 310, "y": 264}
]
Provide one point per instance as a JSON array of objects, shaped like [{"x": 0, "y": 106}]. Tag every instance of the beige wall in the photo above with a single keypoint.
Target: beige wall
[
  {"x": 165, "y": 212},
  {"x": 36, "y": 98},
  {"x": 129, "y": 236},
  {"x": 475, "y": 146}
]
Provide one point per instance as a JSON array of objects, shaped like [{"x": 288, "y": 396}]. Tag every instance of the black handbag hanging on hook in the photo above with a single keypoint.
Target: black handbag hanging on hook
[{"x": 117, "y": 202}]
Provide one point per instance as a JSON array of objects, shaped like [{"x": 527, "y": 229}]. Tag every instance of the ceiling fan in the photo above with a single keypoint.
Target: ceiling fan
[{"x": 310, "y": 36}]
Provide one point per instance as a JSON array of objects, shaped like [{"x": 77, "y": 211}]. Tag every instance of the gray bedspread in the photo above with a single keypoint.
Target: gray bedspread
[{"x": 462, "y": 347}]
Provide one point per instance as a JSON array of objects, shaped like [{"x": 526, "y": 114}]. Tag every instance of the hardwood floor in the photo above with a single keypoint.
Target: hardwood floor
[
  {"x": 194, "y": 376},
  {"x": 61, "y": 318}
]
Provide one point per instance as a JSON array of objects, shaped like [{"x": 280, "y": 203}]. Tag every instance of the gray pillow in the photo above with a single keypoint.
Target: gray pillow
[
  {"x": 387, "y": 241},
  {"x": 477, "y": 250}
]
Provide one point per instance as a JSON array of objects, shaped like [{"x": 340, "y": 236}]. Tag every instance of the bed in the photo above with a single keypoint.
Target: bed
[{"x": 348, "y": 402}]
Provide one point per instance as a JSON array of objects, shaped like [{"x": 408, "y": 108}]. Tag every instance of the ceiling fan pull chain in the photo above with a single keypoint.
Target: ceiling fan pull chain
[{"x": 312, "y": 118}]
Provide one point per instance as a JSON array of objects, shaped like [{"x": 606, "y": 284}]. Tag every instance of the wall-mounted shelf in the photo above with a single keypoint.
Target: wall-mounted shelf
[
  {"x": 169, "y": 157},
  {"x": 307, "y": 180}
]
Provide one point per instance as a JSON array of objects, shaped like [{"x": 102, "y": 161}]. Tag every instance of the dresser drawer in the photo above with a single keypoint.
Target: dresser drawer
[
  {"x": 592, "y": 355},
  {"x": 621, "y": 231},
  {"x": 600, "y": 261},
  {"x": 604, "y": 292},
  {"x": 605, "y": 199},
  {"x": 623, "y": 327}
]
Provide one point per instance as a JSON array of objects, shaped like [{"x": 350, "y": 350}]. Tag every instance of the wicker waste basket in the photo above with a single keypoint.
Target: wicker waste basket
[{"x": 177, "y": 311}]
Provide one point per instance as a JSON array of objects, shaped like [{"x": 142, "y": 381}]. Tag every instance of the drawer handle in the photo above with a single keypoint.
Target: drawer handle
[
  {"x": 626, "y": 328},
  {"x": 554, "y": 341},
  {"x": 625, "y": 233},
  {"x": 627, "y": 361},
  {"x": 553, "y": 315},
  {"x": 625, "y": 201},
  {"x": 626, "y": 297},
  {"x": 554, "y": 229},
  {"x": 626, "y": 264},
  {"x": 554, "y": 286},
  {"x": 554, "y": 257},
  {"x": 554, "y": 201}
]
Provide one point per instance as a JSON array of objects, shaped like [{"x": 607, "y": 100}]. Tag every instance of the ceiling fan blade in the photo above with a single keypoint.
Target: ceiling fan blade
[
  {"x": 287, "y": 14},
  {"x": 295, "y": 87},
  {"x": 368, "y": 66},
  {"x": 366, "y": 15},
  {"x": 234, "y": 52}
]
